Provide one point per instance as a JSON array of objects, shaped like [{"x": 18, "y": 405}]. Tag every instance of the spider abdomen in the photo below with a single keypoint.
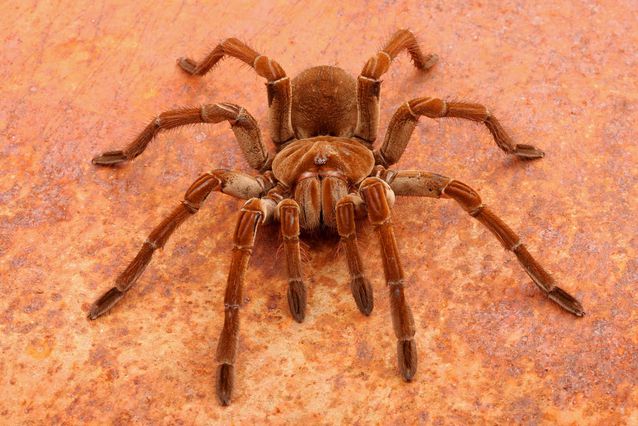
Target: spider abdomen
[{"x": 324, "y": 102}]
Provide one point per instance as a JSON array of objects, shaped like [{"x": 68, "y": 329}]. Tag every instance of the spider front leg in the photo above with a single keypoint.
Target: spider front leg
[
  {"x": 278, "y": 85},
  {"x": 232, "y": 183},
  {"x": 347, "y": 209},
  {"x": 406, "y": 117},
  {"x": 369, "y": 85},
  {"x": 289, "y": 225},
  {"x": 242, "y": 123},
  {"x": 255, "y": 212},
  {"x": 425, "y": 184},
  {"x": 375, "y": 193}
]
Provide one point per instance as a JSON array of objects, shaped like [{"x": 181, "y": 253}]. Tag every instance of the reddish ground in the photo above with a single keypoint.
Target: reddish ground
[{"x": 78, "y": 78}]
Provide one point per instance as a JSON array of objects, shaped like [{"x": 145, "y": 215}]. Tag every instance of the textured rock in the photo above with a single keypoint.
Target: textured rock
[{"x": 79, "y": 78}]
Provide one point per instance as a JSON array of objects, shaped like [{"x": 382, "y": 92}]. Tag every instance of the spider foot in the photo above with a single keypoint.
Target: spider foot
[
  {"x": 297, "y": 300},
  {"x": 110, "y": 158},
  {"x": 105, "y": 303},
  {"x": 362, "y": 292},
  {"x": 566, "y": 301},
  {"x": 406, "y": 350},
  {"x": 225, "y": 380},
  {"x": 430, "y": 61},
  {"x": 527, "y": 152},
  {"x": 188, "y": 65}
]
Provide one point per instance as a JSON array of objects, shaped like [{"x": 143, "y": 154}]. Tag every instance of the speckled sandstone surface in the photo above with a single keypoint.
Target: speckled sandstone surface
[{"x": 78, "y": 78}]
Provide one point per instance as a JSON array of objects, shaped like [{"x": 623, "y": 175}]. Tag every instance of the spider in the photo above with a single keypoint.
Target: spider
[{"x": 323, "y": 176}]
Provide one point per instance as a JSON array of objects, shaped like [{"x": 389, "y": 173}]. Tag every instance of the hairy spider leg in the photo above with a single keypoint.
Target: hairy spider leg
[
  {"x": 375, "y": 193},
  {"x": 255, "y": 212},
  {"x": 243, "y": 124},
  {"x": 278, "y": 85},
  {"x": 404, "y": 121},
  {"x": 424, "y": 184},
  {"x": 348, "y": 208},
  {"x": 236, "y": 184},
  {"x": 289, "y": 227},
  {"x": 369, "y": 85}
]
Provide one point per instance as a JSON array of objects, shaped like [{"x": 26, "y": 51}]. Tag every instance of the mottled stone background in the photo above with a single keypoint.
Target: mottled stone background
[{"x": 80, "y": 77}]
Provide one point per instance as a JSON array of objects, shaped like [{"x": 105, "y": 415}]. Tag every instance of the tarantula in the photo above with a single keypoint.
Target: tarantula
[{"x": 324, "y": 175}]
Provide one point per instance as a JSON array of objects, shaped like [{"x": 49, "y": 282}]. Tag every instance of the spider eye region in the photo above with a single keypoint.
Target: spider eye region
[{"x": 321, "y": 158}]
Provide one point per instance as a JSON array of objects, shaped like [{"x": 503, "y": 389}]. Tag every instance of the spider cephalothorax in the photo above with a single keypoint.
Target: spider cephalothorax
[{"x": 323, "y": 176}]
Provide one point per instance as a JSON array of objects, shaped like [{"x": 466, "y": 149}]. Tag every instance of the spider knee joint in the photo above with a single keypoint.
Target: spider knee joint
[
  {"x": 379, "y": 199},
  {"x": 356, "y": 202},
  {"x": 345, "y": 217},
  {"x": 288, "y": 204},
  {"x": 380, "y": 160},
  {"x": 260, "y": 208},
  {"x": 252, "y": 205},
  {"x": 288, "y": 213},
  {"x": 377, "y": 66},
  {"x": 476, "y": 210},
  {"x": 430, "y": 107},
  {"x": 268, "y": 68},
  {"x": 382, "y": 173},
  {"x": 468, "y": 198},
  {"x": 516, "y": 245},
  {"x": 199, "y": 191},
  {"x": 266, "y": 180}
]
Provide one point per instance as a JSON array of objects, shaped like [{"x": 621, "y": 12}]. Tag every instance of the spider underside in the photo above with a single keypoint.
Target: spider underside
[{"x": 324, "y": 175}]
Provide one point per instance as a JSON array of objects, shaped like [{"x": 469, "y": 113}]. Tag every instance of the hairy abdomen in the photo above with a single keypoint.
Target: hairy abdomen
[{"x": 324, "y": 102}]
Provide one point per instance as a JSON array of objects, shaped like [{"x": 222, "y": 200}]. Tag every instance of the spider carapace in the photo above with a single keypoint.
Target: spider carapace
[{"x": 325, "y": 173}]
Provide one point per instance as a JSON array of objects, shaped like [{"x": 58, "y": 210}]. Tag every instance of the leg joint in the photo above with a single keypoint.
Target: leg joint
[
  {"x": 263, "y": 208},
  {"x": 476, "y": 210},
  {"x": 381, "y": 172},
  {"x": 289, "y": 219},
  {"x": 254, "y": 205},
  {"x": 430, "y": 107},
  {"x": 199, "y": 191},
  {"x": 345, "y": 218},
  {"x": 190, "y": 207},
  {"x": 288, "y": 204},
  {"x": 395, "y": 283},
  {"x": 232, "y": 306},
  {"x": 278, "y": 81},
  {"x": 378, "y": 197},
  {"x": 380, "y": 159},
  {"x": 268, "y": 68},
  {"x": 376, "y": 66},
  {"x": 152, "y": 244},
  {"x": 266, "y": 180},
  {"x": 516, "y": 246},
  {"x": 468, "y": 198}
]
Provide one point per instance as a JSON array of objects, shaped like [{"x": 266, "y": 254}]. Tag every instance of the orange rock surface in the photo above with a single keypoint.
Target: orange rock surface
[{"x": 79, "y": 78}]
